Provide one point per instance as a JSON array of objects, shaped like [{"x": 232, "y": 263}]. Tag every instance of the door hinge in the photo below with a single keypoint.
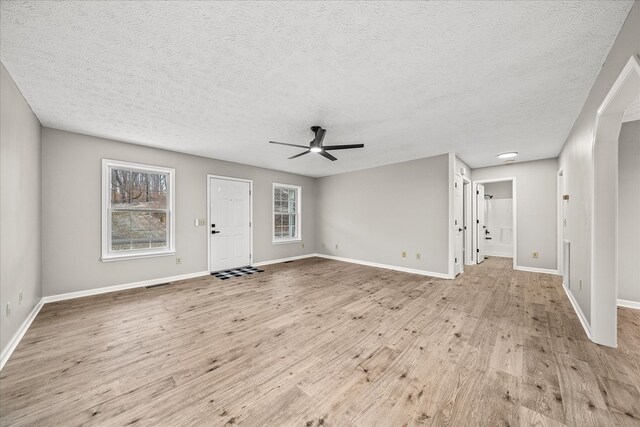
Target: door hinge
[
  {"x": 249, "y": 192},
  {"x": 478, "y": 250},
  {"x": 456, "y": 260},
  {"x": 477, "y": 192},
  {"x": 477, "y": 221},
  {"x": 249, "y": 223}
]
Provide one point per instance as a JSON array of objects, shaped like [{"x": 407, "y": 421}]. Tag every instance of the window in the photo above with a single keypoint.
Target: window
[
  {"x": 286, "y": 213},
  {"x": 137, "y": 210}
]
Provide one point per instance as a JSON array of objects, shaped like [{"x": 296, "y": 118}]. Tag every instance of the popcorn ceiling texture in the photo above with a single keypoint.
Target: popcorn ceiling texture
[{"x": 221, "y": 79}]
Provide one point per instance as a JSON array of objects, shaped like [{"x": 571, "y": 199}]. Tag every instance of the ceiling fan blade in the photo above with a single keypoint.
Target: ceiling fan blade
[
  {"x": 319, "y": 136},
  {"x": 327, "y": 155},
  {"x": 342, "y": 147},
  {"x": 298, "y": 155},
  {"x": 290, "y": 145}
]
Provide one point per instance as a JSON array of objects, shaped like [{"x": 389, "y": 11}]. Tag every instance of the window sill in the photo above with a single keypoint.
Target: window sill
[
  {"x": 124, "y": 257},
  {"x": 282, "y": 242}
]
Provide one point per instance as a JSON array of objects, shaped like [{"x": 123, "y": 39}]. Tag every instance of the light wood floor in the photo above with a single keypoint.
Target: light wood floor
[{"x": 324, "y": 343}]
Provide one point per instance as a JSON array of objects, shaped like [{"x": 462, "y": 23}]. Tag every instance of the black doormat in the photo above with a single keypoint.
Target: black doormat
[{"x": 236, "y": 272}]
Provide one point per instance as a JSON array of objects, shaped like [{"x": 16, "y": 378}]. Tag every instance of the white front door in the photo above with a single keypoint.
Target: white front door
[
  {"x": 480, "y": 223},
  {"x": 458, "y": 209},
  {"x": 230, "y": 226}
]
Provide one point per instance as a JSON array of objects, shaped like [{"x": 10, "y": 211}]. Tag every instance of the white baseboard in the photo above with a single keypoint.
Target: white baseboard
[
  {"x": 629, "y": 304},
  {"x": 388, "y": 267},
  {"x": 107, "y": 289},
  {"x": 15, "y": 339},
  {"x": 277, "y": 261},
  {"x": 537, "y": 270},
  {"x": 578, "y": 310}
]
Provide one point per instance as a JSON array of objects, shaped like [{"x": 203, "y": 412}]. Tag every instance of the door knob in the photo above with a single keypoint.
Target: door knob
[{"x": 214, "y": 232}]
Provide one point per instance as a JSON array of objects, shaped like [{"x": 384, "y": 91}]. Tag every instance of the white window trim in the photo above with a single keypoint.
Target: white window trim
[
  {"x": 107, "y": 254},
  {"x": 298, "y": 214}
]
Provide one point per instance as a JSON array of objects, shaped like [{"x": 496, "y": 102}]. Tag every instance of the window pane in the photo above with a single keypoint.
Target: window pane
[
  {"x": 138, "y": 230},
  {"x": 158, "y": 230},
  {"x": 138, "y": 189},
  {"x": 120, "y": 231},
  {"x": 119, "y": 191},
  {"x": 277, "y": 220},
  {"x": 277, "y": 206}
]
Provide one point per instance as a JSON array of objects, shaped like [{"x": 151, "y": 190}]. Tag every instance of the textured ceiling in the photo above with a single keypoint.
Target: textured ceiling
[{"x": 408, "y": 79}]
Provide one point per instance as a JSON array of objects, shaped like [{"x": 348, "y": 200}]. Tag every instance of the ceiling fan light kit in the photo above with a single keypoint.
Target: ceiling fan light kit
[{"x": 316, "y": 146}]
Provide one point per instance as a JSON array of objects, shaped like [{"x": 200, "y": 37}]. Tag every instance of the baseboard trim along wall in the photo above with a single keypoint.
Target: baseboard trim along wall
[
  {"x": 537, "y": 270},
  {"x": 578, "y": 310},
  {"x": 629, "y": 304},
  {"x": 277, "y": 261},
  {"x": 17, "y": 337},
  {"x": 388, "y": 267},
  {"x": 107, "y": 289}
]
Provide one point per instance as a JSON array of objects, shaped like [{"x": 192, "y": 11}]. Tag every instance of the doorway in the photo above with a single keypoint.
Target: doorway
[
  {"x": 467, "y": 217},
  {"x": 230, "y": 237},
  {"x": 458, "y": 224},
  {"x": 495, "y": 219},
  {"x": 604, "y": 213}
]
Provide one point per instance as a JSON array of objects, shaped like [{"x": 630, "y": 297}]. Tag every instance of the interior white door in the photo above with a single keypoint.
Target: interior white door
[
  {"x": 481, "y": 225},
  {"x": 230, "y": 226},
  {"x": 458, "y": 224}
]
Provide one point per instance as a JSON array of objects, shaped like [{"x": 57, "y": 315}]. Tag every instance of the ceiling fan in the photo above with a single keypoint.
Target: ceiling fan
[{"x": 316, "y": 146}]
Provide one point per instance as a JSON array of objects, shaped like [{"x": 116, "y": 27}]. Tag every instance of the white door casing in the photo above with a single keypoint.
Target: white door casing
[
  {"x": 458, "y": 212},
  {"x": 481, "y": 226},
  {"x": 229, "y": 223}
]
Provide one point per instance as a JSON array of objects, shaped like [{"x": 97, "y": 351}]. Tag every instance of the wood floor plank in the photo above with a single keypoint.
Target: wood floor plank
[{"x": 323, "y": 343}]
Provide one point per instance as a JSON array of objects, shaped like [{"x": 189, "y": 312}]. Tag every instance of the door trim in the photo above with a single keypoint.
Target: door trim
[
  {"x": 228, "y": 178},
  {"x": 514, "y": 188},
  {"x": 468, "y": 216}
]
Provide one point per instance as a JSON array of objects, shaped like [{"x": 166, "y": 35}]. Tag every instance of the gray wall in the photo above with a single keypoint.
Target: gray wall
[
  {"x": 499, "y": 190},
  {"x": 536, "y": 189},
  {"x": 376, "y": 214},
  {"x": 576, "y": 159},
  {"x": 72, "y": 206},
  {"x": 20, "y": 208},
  {"x": 629, "y": 212}
]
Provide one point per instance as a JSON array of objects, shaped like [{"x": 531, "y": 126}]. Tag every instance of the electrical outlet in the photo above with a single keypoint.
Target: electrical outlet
[
  {"x": 580, "y": 284},
  {"x": 404, "y": 254},
  {"x": 303, "y": 246},
  {"x": 199, "y": 222},
  {"x": 534, "y": 254},
  {"x": 178, "y": 260},
  {"x": 418, "y": 256},
  {"x": 20, "y": 298},
  {"x": 8, "y": 311},
  {"x": 336, "y": 246}
]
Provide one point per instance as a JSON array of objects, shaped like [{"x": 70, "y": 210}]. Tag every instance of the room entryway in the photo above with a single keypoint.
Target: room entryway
[
  {"x": 230, "y": 223},
  {"x": 495, "y": 219}
]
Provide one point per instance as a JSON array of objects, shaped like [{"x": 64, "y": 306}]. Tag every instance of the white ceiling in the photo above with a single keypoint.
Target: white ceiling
[{"x": 408, "y": 79}]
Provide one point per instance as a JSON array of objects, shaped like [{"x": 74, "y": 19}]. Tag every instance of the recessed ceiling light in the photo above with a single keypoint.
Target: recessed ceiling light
[{"x": 508, "y": 155}]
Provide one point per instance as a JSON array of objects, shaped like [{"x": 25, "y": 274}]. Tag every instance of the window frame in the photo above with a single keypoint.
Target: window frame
[
  {"x": 107, "y": 253},
  {"x": 298, "y": 213}
]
